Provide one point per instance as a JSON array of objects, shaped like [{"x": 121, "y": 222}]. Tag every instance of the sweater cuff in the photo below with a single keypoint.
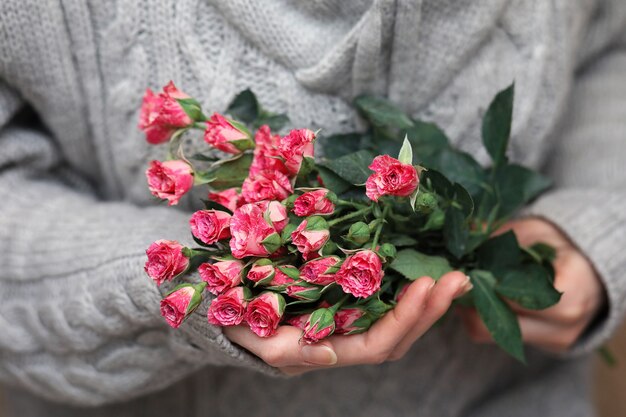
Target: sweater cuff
[{"x": 595, "y": 222}]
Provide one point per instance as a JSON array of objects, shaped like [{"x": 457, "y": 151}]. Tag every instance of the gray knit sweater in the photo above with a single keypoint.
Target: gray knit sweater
[{"x": 79, "y": 320}]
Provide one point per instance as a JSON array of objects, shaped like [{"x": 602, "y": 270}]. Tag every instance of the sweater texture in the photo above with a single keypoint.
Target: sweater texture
[{"x": 80, "y": 329}]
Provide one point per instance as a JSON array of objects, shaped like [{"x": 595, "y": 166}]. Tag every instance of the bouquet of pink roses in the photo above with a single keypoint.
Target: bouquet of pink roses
[{"x": 330, "y": 244}]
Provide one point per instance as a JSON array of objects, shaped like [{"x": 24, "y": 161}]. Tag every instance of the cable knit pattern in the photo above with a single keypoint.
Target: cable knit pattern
[{"x": 79, "y": 319}]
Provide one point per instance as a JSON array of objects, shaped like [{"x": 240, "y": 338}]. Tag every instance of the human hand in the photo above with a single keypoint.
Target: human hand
[
  {"x": 388, "y": 339},
  {"x": 558, "y": 327}
]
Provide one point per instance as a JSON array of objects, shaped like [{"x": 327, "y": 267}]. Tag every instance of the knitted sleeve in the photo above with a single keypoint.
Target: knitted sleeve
[
  {"x": 79, "y": 320},
  {"x": 588, "y": 164}
]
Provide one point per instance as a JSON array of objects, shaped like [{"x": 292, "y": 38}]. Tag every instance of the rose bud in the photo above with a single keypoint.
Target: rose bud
[
  {"x": 165, "y": 260},
  {"x": 262, "y": 272},
  {"x": 181, "y": 302},
  {"x": 304, "y": 292},
  {"x": 266, "y": 155},
  {"x": 296, "y": 146},
  {"x": 266, "y": 185},
  {"x": 264, "y": 313},
  {"x": 209, "y": 226},
  {"x": 361, "y": 274},
  {"x": 352, "y": 321},
  {"x": 227, "y": 135},
  {"x": 310, "y": 236},
  {"x": 320, "y": 325},
  {"x": 298, "y": 321},
  {"x": 276, "y": 213},
  {"x": 229, "y": 198},
  {"x": 252, "y": 234},
  {"x": 320, "y": 271},
  {"x": 221, "y": 276},
  {"x": 169, "y": 180},
  {"x": 391, "y": 177},
  {"x": 229, "y": 309},
  {"x": 426, "y": 202},
  {"x": 161, "y": 115},
  {"x": 359, "y": 233},
  {"x": 314, "y": 202},
  {"x": 285, "y": 275}
]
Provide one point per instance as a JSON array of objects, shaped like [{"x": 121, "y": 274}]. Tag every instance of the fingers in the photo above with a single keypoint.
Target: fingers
[
  {"x": 283, "y": 349},
  {"x": 375, "y": 345},
  {"x": 546, "y": 335},
  {"x": 449, "y": 287}
]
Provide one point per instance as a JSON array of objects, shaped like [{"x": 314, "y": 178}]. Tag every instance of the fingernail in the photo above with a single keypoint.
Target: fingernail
[
  {"x": 432, "y": 285},
  {"x": 465, "y": 287},
  {"x": 319, "y": 354}
]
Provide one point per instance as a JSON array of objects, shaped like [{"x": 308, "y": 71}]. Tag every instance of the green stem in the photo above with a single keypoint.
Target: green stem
[
  {"x": 338, "y": 304},
  {"x": 350, "y": 204},
  {"x": 379, "y": 227},
  {"x": 349, "y": 216},
  {"x": 201, "y": 126}
]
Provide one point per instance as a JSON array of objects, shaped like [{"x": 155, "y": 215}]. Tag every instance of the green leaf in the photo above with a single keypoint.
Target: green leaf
[
  {"x": 456, "y": 231},
  {"x": 529, "y": 286},
  {"x": 459, "y": 167},
  {"x": 516, "y": 186},
  {"x": 542, "y": 252},
  {"x": 496, "y": 127},
  {"x": 496, "y": 314},
  {"x": 463, "y": 199},
  {"x": 402, "y": 240},
  {"x": 352, "y": 168},
  {"x": 382, "y": 113},
  {"x": 437, "y": 182},
  {"x": 339, "y": 145},
  {"x": 377, "y": 308},
  {"x": 499, "y": 253},
  {"x": 333, "y": 181},
  {"x": 413, "y": 265},
  {"x": 427, "y": 139},
  {"x": 406, "y": 152},
  {"x": 244, "y": 107},
  {"x": 231, "y": 173},
  {"x": 274, "y": 121},
  {"x": 192, "y": 107}
]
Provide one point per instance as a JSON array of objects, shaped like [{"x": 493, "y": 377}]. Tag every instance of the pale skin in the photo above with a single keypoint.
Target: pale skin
[{"x": 390, "y": 338}]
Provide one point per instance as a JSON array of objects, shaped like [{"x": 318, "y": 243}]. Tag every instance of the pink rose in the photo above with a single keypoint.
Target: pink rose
[
  {"x": 281, "y": 280},
  {"x": 351, "y": 321},
  {"x": 303, "y": 291},
  {"x": 298, "y": 321},
  {"x": 266, "y": 154},
  {"x": 251, "y": 234},
  {"x": 227, "y": 135},
  {"x": 169, "y": 180},
  {"x": 229, "y": 198},
  {"x": 181, "y": 302},
  {"x": 165, "y": 260},
  {"x": 221, "y": 276},
  {"x": 361, "y": 274},
  {"x": 264, "y": 313},
  {"x": 276, "y": 212},
  {"x": 266, "y": 185},
  {"x": 310, "y": 236},
  {"x": 320, "y": 271},
  {"x": 320, "y": 325},
  {"x": 313, "y": 202},
  {"x": 209, "y": 226},
  {"x": 296, "y": 146},
  {"x": 262, "y": 272},
  {"x": 229, "y": 309},
  {"x": 391, "y": 177},
  {"x": 161, "y": 115}
]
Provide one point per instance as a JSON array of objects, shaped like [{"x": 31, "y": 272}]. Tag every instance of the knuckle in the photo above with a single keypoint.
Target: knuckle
[
  {"x": 572, "y": 314},
  {"x": 273, "y": 357}
]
